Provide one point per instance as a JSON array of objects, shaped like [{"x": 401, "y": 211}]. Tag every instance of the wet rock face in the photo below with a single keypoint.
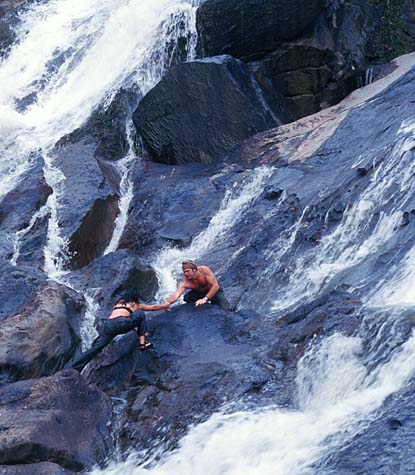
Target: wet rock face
[
  {"x": 202, "y": 358},
  {"x": 42, "y": 468},
  {"x": 385, "y": 445},
  {"x": 106, "y": 127},
  {"x": 18, "y": 285},
  {"x": 88, "y": 226},
  {"x": 206, "y": 357},
  {"x": 200, "y": 110},
  {"x": 156, "y": 220},
  {"x": 250, "y": 28},
  {"x": 114, "y": 273},
  {"x": 17, "y": 209},
  {"x": 42, "y": 336},
  {"x": 57, "y": 420}
]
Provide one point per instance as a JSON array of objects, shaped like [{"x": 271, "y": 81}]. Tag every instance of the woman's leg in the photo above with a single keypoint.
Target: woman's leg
[{"x": 99, "y": 343}]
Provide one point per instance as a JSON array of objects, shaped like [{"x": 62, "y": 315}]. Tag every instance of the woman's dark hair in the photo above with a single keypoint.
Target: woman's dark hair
[{"x": 129, "y": 295}]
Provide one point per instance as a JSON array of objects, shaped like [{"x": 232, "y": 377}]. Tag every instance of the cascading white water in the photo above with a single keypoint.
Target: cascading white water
[
  {"x": 71, "y": 57},
  {"x": 234, "y": 203},
  {"x": 337, "y": 397},
  {"x": 126, "y": 194},
  {"x": 74, "y": 56}
]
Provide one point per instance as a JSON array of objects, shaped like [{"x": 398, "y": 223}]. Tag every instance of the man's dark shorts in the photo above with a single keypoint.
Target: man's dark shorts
[{"x": 218, "y": 299}]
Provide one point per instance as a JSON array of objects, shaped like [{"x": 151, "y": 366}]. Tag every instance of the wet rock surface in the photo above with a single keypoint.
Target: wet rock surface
[
  {"x": 384, "y": 446},
  {"x": 200, "y": 110},
  {"x": 60, "y": 420},
  {"x": 42, "y": 468},
  {"x": 88, "y": 226},
  {"x": 206, "y": 358},
  {"x": 17, "y": 209},
  {"x": 39, "y": 339}
]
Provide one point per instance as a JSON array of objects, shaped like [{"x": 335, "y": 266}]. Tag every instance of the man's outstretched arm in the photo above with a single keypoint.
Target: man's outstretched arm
[{"x": 173, "y": 297}]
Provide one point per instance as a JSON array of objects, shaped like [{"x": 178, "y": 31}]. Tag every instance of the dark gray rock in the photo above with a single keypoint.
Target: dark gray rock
[
  {"x": 114, "y": 273},
  {"x": 162, "y": 213},
  {"x": 107, "y": 127},
  {"x": 7, "y": 37},
  {"x": 59, "y": 419},
  {"x": 88, "y": 226},
  {"x": 42, "y": 336},
  {"x": 200, "y": 110},
  {"x": 246, "y": 28},
  {"x": 202, "y": 359},
  {"x": 17, "y": 209},
  {"x": 283, "y": 40},
  {"x": 17, "y": 286},
  {"x": 42, "y": 468}
]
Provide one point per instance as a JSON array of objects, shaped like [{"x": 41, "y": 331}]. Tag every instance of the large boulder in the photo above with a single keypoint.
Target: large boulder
[
  {"x": 200, "y": 110},
  {"x": 41, "y": 468},
  {"x": 89, "y": 225},
  {"x": 42, "y": 336},
  {"x": 20, "y": 211},
  {"x": 18, "y": 285},
  {"x": 112, "y": 274},
  {"x": 246, "y": 28},
  {"x": 59, "y": 419},
  {"x": 307, "y": 56}
]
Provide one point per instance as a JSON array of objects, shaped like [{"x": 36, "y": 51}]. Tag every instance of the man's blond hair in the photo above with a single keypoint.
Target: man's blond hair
[{"x": 189, "y": 263}]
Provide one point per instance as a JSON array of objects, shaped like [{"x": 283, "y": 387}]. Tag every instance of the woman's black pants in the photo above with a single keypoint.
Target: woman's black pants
[{"x": 111, "y": 328}]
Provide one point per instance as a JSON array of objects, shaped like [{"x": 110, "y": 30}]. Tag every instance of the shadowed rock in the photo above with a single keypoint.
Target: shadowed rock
[
  {"x": 243, "y": 28},
  {"x": 17, "y": 209},
  {"x": 42, "y": 468},
  {"x": 200, "y": 110},
  {"x": 42, "y": 336},
  {"x": 59, "y": 419}
]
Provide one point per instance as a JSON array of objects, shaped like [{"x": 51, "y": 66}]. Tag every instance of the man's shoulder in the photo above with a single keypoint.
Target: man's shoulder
[{"x": 204, "y": 268}]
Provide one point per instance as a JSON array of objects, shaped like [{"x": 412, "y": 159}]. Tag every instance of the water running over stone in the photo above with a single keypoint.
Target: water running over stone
[{"x": 233, "y": 205}]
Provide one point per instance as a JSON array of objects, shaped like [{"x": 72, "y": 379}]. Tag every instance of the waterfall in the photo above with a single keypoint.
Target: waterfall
[
  {"x": 73, "y": 56},
  {"x": 342, "y": 381}
]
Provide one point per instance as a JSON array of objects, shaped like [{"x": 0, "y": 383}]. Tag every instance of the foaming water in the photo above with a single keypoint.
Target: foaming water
[
  {"x": 396, "y": 289},
  {"x": 337, "y": 397},
  {"x": 71, "y": 57},
  {"x": 234, "y": 203},
  {"x": 126, "y": 195}
]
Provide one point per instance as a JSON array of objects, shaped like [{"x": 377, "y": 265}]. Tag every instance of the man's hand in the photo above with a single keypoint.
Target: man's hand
[
  {"x": 201, "y": 301},
  {"x": 166, "y": 306}
]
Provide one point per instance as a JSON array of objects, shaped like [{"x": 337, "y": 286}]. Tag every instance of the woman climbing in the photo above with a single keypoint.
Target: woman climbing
[{"x": 127, "y": 314}]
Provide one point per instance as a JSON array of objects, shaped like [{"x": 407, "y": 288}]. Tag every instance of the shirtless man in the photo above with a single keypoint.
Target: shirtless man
[{"x": 203, "y": 287}]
